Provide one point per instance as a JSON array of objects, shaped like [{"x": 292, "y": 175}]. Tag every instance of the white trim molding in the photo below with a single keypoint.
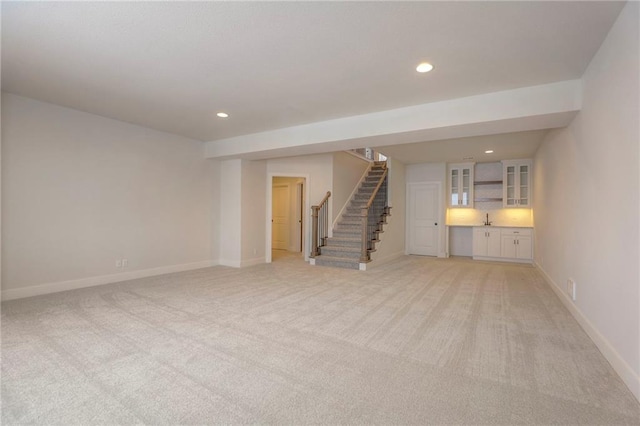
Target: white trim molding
[
  {"x": 252, "y": 262},
  {"x": 48, "y": 288},
  {"x": 306, "y": 227},
  {"x": 624, "y": 370}
]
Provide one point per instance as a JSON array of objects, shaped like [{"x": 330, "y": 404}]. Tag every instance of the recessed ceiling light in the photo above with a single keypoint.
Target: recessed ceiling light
[
  {"x": 222, "y": 115},
  {"x": 424, "y": 67},
  {"x": 489, "y": 151}
]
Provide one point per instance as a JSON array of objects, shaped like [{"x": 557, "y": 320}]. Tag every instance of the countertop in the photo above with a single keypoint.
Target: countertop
[{"x": 490, "y": 226}]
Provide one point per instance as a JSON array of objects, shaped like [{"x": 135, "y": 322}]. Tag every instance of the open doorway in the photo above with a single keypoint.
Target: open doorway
[{"x": 286, "y": 211}]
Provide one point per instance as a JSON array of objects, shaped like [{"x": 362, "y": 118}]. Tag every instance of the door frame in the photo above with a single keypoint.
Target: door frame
[
  {"x": 305, "y": 220},
  {"x": 441, "y": 224},
  {"x": 286, "y": 186}
]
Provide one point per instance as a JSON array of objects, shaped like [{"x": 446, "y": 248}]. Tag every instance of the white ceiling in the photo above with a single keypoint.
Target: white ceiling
[
  {"x": 172, "y": 66},
  {"x": 506, "y": 146}
]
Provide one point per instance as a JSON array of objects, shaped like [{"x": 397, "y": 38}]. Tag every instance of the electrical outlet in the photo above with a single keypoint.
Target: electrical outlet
[
  {"x": 571, "y": 289},
  {"x": 119, "y": 263},
  {"x": 125, "y": 263}
]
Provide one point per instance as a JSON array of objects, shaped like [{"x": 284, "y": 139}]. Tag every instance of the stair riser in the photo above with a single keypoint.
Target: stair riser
[
  {"x": 343, "y": 250},
  {"x": 350, "y": 244},
  {"x": 346, "y": 265},
  {"x": 353, "y": 245},
  {"x": 340, "y": 253}
]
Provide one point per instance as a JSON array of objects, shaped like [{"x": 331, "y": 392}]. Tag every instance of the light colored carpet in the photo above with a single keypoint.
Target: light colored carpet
[{"x": 418, "y": 341}]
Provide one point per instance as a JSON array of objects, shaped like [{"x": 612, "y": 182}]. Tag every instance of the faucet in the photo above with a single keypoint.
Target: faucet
[{"x": 487, "y": 223}]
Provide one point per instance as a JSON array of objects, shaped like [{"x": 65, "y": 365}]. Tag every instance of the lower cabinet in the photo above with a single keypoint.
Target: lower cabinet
[
  {"x": 516, "y": 244},
  {"x": 486, "y": 242},
  {"x": 506, "y": 244}
]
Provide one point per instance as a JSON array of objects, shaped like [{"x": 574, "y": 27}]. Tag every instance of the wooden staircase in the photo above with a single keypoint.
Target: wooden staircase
[{"x": 346, "y": 248}]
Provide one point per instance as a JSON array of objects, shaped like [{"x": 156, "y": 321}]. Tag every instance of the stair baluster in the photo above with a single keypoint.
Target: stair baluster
[
  {"x": 373, "y": 217},
  {"x": 320, "y": 225},
  {"x": 357, "y": 232}
]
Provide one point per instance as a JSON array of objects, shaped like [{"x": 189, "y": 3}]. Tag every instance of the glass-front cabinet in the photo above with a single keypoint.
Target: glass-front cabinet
[
  {"x": 461, "y": 185},
  {"x": 516, "y": 183}
]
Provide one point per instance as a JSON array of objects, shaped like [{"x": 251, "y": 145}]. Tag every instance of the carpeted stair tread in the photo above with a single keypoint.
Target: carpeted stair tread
[{"x": 343, "y": 249}]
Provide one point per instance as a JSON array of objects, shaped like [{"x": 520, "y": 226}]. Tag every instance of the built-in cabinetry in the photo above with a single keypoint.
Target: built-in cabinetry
[
  {"x": 516, "y": 244},
  {"x": 516, "y": 186},
  {"x": 486, "y": 242},
  {"x": 502, "y": 243},
  {"x": 460, "y": 185}
]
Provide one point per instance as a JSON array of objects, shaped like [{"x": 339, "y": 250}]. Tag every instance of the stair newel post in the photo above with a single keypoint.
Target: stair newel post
[
  {"x": 314, "y": 230},
  {"x": 364, "y": 254}
]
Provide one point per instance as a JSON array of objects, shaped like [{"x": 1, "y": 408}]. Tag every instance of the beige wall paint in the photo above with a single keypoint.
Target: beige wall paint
[
  {"x": 216, "y": 210},
  {"x": 586, "y": 201},
  {"x": 230, "y": 187},
  {"x": 254, "y": 175},
  {"x": 318, "y": 170},
  {"x": 392, "y": 241},
  {"x": 347, "y": 172},
  {"x": 318, "y": 167},
  {"x": 80, "y": 191}
]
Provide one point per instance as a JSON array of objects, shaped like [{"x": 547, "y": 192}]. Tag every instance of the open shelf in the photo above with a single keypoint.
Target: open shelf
[
  {"x": 488, "y": 182},
  {"x": 487, "y": 200}
]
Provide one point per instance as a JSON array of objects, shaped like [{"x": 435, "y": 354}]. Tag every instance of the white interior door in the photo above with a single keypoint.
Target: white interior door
[
  {"x": 424, "y": 208},
  {"x": 280, "y": 217}
]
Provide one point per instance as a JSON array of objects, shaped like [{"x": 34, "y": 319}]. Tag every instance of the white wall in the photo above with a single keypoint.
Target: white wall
[
  {"x": 216, "y": 210},
  {"x": 80, "y": 191},
  {"x": 230, "y": 241},
  {"x": 319, "y": 173},
  {"x": 586, "y": 201},
  {"x": 318, "y": 167},
  {"x": 347, "y": 172},
  {"x": 392, "y": 241},
  {"x": 254, "y": 176}
]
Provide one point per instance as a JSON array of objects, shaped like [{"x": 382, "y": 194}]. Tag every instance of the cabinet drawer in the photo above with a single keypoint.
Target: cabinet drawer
[{"x": 525, "y": 232}]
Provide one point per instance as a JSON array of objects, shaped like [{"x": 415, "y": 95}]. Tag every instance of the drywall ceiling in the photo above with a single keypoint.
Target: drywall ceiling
[
  {"x": 172, "y": 65},
  {"x": 507, "y": 146}
]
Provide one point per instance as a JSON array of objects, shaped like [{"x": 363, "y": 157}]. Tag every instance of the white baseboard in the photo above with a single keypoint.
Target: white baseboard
[
  {"x": 242, "y": 263},
  {"x": 40, "y": 289},
  {"x": 252, "y": 262},
  {"x": 624, "y": 370}
]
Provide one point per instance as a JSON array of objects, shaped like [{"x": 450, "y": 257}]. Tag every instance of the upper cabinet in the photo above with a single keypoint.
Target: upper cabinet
[
  {"x": 461, "y": 185},
  {"x": 516, "y": 183}
]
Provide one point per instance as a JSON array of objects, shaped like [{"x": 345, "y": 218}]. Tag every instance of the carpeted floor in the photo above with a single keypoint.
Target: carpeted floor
[{"x": 418, "y": 341}]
